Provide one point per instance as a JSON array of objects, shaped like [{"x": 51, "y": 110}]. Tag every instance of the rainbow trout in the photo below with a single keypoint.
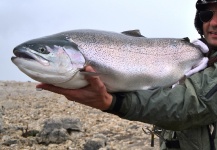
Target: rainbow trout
[{"x": 124, "y": 61}]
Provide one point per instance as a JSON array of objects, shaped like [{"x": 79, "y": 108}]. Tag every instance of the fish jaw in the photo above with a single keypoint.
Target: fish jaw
[
  {"x": 53, "y": 68},
  {"x": 26, "y": 60},
  {"x": 29, "y": 55}
]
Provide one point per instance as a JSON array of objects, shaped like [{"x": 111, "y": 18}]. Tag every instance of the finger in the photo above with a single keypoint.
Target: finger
[
  {"x": 89, "y": 69},
  {"x": 55, "y": 89},
  {"x": 93, "y": 80}
]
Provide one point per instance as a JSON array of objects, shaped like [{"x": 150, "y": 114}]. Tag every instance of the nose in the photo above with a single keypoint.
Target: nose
[{"x": 213, "y": 21}]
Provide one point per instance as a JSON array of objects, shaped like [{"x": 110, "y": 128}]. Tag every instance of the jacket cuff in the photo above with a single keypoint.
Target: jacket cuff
[{"x": 115, "y": 107}]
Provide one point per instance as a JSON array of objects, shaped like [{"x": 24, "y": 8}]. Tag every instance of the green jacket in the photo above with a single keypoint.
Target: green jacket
[{"x": 187, "y": 108}]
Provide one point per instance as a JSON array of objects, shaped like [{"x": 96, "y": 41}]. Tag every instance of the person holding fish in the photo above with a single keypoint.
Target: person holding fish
[{"x": 187, "y": 113}]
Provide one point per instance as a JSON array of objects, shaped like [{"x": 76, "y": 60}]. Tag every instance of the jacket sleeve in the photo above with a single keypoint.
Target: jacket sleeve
[{"x": 191, "y": 104}]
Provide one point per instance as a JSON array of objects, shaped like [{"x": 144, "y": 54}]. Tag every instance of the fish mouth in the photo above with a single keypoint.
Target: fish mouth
[{"x": 29, "y": 56}]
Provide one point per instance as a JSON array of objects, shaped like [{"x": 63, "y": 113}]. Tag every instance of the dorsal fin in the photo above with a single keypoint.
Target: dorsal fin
[
  {"x": 186, "y": 39},
  {"x": 135, "y": 33}
]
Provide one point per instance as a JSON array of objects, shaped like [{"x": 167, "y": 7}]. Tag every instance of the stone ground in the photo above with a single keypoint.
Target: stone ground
[{"x": 41, "y": 120}]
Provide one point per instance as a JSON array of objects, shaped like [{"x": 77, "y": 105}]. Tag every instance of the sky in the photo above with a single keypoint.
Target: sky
[{"x": 24, "y": 20}]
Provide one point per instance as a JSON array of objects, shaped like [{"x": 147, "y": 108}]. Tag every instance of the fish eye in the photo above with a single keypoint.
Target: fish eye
[{"x": 42, "y": 49}]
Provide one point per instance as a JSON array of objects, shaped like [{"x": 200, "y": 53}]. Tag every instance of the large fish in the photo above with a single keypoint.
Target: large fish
[{"x": 124, "y": 61}]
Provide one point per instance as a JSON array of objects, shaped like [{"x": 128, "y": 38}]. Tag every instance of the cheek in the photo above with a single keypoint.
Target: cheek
[{"x": 205, "y": 29}]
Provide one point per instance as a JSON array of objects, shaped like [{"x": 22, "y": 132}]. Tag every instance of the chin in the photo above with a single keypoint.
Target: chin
[{"x": 212, "y": 42}]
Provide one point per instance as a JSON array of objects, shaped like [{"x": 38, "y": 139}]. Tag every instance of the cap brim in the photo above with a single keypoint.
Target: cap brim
[{"x": 203, "y": 5}]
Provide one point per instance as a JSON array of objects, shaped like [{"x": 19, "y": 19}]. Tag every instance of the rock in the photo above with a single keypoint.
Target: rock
[
  {"x": 1, "y": 122},
  {"x": 10, "y": 142},
  {"x": 94, "y": 144},
  {"x": 56, "y": 136},
  {"x": 58, "y": 130},
  {"x": 1, "y": 126},
  {"x": 98, "y": 141},
  {"x": 71, "y": 124}
]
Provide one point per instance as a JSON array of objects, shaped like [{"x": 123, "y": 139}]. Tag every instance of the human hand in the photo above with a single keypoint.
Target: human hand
[
  {"x": 94, "y": 95},
  {"x": 201, "y": 45},
  {"x": 203, "y": 63}
]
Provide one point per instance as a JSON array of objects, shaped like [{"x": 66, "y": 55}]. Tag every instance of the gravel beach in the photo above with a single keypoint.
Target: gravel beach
[{"x": 41, "y": 120}]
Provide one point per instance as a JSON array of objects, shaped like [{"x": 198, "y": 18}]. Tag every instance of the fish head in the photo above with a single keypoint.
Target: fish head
[{"x": 49, "y": 60}]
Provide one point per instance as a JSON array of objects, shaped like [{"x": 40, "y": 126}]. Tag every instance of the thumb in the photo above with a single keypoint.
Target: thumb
[{"x": 89, "y": 69}]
